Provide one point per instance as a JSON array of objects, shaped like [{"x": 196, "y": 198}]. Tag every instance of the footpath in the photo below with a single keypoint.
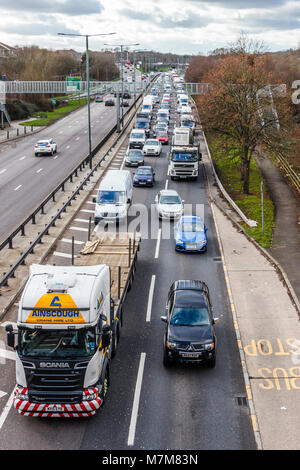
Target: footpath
[
  {"x": 16, "y": 131},
  {"x": 265, "y": 312}
]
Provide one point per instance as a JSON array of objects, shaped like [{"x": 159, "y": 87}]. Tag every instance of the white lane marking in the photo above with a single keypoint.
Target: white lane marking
[
  {"x": 3, "y": 171},
  {"x": 4, "y": 353},
  {"x": 22, "y": 158},
  {"x": 56, "y": 156},
  {"x": 38, "y": 171},
  {"x": 7, "y": 408},
  {"x": 87, "y": 210},
  {"x": 62, "y": 255},
  {"x": 69, "y": 240},
  {"x": 18, "y": 187},
  {"x": 157, "y": 243},
  {"x": 85, "y": 221},
  {"x": 166, "y": 185},
  {"x": 67, "y": 147},
  {"x": 150, "y": 298},
  {"x": 77, "y": 138},
  {"x": 14, "y": 325},
  {"x": 136, "y": 400},
  {"x": 79, "y": 229}
]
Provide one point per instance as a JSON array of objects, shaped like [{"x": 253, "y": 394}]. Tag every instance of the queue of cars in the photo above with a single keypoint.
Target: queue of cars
[{"x": 190, "y": 335}]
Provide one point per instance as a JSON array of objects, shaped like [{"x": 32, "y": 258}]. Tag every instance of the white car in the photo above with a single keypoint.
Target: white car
[
  {"x": 184, "y": 109},
  {"x": 168, "y": 204},
  {"x": 45, "y": 146},
  {"x": 152, "y": 147}
]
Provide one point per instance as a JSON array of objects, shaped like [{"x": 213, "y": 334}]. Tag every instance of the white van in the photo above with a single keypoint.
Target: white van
[
  {"x": 137, "y": 139},
  {"x": 114, "y": 196}
]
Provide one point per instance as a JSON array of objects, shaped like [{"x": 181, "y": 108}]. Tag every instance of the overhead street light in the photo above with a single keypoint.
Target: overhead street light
[
  {"x": 122, "y": 79},
  {"x": 88, "y": 81}
]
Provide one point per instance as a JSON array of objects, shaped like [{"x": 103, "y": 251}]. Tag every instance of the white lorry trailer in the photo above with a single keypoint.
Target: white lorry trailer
[
  {"x": 68, "y": 327},
  {"x": 184, "y": 155}
]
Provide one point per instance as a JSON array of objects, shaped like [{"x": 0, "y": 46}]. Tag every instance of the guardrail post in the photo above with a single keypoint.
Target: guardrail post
[
  {"x": 119, "y": 282},
  {"x": 73, "y": 248},
  {"x": 90, "y": 226},
  {"x": 129, "y": 252}
]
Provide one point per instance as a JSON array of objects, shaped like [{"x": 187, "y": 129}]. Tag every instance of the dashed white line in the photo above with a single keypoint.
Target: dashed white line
[
  {"x": 136, "y": 400},
  {"x": 79, "y": 229},
  {"x": 62, "y": 255},
  {"x": 69, "y": 240},
  {"x": 38, "y": 171},
  {"x": 157, "y": 244},
  {"x": 85, "y": 221},
  {"x": 3, "y": 171},
  {"x": 22, "y": 158},
  {"x": 18, "y": 187},
  {"x": 150, "y": 298},
  {"x": 166, "y": 185}
]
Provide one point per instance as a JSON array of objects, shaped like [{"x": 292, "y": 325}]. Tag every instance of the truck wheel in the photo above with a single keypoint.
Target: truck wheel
[
  {"x": 115, "y": 338},
  {"x": 105, "y": 386},
  {"x": 166, "y": 360}
]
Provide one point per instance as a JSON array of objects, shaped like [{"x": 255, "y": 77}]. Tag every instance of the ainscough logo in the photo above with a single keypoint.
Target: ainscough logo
[{"x": 52, "y": 308}]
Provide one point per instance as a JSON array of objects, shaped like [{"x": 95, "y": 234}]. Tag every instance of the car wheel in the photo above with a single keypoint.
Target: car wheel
[
  {"x": 167, "y": 362},
  {"x": 36, "y": 154},
  {"x": 52, "y": 152},
  {"x": 212, "y": 362}
]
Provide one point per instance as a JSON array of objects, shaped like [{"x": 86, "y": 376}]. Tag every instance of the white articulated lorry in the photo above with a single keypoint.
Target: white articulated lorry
[
  {"x": 69, "y": 324},
  {"x": 184, "y": 155}
]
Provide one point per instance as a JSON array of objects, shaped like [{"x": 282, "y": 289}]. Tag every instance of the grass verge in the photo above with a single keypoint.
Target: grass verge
[
  {"x": 58, "y": 113},
  {"x": 227, "y": 165}
]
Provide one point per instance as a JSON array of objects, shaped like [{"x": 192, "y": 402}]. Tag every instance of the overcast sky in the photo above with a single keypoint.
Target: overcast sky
[{"x": 177, "y": 26}]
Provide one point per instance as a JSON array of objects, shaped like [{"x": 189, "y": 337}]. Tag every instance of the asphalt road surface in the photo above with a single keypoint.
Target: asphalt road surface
[{"x": 150, "y": 407}]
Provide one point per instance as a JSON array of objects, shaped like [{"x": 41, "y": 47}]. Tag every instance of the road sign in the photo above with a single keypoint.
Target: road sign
[{"x": 73, "y": 84}]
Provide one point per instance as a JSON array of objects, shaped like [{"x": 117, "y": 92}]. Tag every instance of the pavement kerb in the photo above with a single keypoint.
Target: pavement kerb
[
  {"x": 36, "y": 131},
  {"x": 253, "y": 415},
  {"x": 213, "y": 200}
]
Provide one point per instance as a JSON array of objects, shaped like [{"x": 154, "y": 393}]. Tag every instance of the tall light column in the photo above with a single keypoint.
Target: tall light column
[{"x": 88, "y": 82}]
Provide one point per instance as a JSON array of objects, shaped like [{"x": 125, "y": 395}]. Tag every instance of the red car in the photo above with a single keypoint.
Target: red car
[{"x": 163, "y": 137}]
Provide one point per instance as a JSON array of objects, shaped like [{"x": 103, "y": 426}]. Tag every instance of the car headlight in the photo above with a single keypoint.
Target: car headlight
[
  {"x": 171, "y": 344},
  {"x": 209, "y": 346},
  {"x": 179, "y": 242}
]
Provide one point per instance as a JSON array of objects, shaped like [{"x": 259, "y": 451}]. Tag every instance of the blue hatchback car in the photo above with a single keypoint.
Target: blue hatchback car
[
  {"x": 190, "y": 234},
  {"x": 144, "y": 176}
]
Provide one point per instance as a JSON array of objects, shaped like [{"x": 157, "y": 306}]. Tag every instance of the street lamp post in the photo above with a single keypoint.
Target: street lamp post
[
  {"x": 88, "y": 82},
  {"x": 122, "y": 82}
]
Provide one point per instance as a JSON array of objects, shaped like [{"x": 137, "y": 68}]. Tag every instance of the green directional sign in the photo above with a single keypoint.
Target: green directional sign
[{"x": 73, "y": 84}]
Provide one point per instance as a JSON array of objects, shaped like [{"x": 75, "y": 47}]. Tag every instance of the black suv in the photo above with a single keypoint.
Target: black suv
[{"x": 190, "y": 334}]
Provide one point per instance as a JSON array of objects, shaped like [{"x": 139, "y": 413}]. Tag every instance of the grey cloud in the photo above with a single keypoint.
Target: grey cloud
[
  {"x": 189, "y": 19},
  {"x": 68, "y": 7},
  {"x": 242, "y": 4},
  {"x": 37, "y": 29}
]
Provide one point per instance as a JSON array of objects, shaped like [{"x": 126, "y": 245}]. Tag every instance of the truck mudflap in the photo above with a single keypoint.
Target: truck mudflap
[{"x": 62, "y": 410}]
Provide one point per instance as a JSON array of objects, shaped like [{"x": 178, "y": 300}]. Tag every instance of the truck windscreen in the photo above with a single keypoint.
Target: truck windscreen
[
  {"x": 57, "y": 343},
  {"x": 184, "y": 156}
]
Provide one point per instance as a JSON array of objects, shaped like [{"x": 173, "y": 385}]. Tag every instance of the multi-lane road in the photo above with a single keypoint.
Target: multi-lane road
[{"x": 148, "y": 406}]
